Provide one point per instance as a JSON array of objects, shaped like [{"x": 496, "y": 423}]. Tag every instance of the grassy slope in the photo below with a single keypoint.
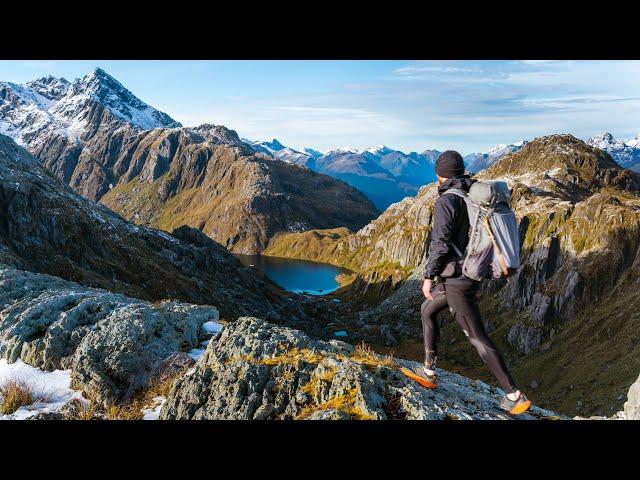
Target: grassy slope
[
  {"x": 240, "y": 201},
  {"x": 315, "y": 245}
]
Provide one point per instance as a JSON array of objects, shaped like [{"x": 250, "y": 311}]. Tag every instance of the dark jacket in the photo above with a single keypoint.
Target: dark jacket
[{"x": 450, "y": 225}]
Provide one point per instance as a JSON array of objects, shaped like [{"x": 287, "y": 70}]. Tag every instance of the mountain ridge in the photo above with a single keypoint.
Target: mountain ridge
[{"x": 96, "y": 135}]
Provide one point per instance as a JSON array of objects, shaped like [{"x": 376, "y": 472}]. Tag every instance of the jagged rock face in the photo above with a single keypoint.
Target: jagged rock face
[
  {"x": 109, "y": 145},
  {"x": 111, "y": 343},
  {"x": 579, "y": 225},
  {"x": 47, "y": 228},
  {"x": 236, "y": 197},
  {"x": 254, "y": 370}
]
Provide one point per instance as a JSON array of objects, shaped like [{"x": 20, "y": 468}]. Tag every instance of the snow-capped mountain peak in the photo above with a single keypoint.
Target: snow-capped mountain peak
[
  {"x": 273, "y": 146},
  {"x": 479, "y": 161},
  {"x": 101, "y": 87},
  {"x": 281, "y": 152},
  {"x": 49, "y": 104},
  {"x": 313, "y": 152},
  {"x": 627, "y": 154},
  {"x": 50, "y": 87},
  {"x": 379, "y": 150},
  {"x": 603, "y": 141},
  {"x": 342, "y": 150},
  {"x": 634, "y": 142}
]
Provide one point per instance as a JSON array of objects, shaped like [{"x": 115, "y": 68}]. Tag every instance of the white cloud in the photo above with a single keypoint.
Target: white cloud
[
  {"x": 470, "y": 106},
  {"x": 39, "y": 64}
]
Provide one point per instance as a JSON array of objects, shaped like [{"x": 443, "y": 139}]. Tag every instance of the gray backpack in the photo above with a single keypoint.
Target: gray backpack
[{"x": 493, "y": 250}]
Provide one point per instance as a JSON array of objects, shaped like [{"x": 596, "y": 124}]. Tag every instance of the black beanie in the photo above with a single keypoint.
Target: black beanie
[{"x": 450, "y": 164}]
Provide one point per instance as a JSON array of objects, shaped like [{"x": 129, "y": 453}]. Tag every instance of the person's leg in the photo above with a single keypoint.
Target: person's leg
[
  {"x": 463, "y": 301},
  {"x": 430, "y": 328}
]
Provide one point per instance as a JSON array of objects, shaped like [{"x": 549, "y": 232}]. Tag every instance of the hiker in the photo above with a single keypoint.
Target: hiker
[{"x": 449, "y": 239}]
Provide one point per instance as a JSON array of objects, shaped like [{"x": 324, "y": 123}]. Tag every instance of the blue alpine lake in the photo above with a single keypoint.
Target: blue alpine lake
[{"x": 299, "y": 276}]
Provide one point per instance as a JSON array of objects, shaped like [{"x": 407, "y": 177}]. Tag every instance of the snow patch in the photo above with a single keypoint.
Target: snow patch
[
  {"x": 153, "y": 412},
  {"x": 211, "y": 328},
  {"x": 196, "y": 353},
  {"x": 51, "y": 390}
]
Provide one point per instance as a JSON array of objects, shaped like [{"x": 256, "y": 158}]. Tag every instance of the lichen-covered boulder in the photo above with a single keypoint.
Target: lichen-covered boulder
[
  {"x": 257, "y": 370},
  {"x": 111, "y": 343}
]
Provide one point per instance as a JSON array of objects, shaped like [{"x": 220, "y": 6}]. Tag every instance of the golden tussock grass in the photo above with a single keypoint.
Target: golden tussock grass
[
  {"x": 344, "y": 403},
  {"x": 15, "y": 394},
  {"x": 365, "y": 355},
  {"x": 312, "y": 386},
  {"x": 290, "y": 357}
]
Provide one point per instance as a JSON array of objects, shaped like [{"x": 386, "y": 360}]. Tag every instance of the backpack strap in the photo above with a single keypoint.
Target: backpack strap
[
  {"x": 460, "y": 193},
  {"x": 456, "y": 191}
]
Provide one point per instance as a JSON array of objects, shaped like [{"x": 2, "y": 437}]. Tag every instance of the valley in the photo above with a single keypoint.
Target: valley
[{"x": 119, "y": 224}]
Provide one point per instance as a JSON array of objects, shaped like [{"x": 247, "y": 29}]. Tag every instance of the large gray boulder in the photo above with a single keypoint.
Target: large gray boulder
[
  {"x": 111, "y": 343},
  {"x": 632, "y": 405},
  {"x": 257, "y": 370}
]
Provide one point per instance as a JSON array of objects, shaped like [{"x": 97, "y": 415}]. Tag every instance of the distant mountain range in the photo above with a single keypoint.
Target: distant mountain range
[
  {"x": 384, "y": 174},
  {"x": 94, "y": 134},
  {"x": 479, "y": 161},
  {"x": 626, "y": 153}
]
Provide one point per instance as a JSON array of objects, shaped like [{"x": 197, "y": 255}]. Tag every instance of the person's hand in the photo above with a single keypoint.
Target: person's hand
[{"x": 426, "y": 288}]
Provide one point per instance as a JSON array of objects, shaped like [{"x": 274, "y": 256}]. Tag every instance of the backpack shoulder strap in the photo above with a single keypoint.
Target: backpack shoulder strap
[
  {"x": 460, "y": 193},
  {"x": 456, "y": 191}
]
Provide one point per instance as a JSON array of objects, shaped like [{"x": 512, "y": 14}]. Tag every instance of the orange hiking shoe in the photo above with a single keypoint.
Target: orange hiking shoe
[
  {"x": 515, "y": 407},
  {"x": 419, "y": 375}
]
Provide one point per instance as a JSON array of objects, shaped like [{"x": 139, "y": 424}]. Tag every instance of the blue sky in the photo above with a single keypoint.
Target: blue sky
[{"x": 409, "y": 105}]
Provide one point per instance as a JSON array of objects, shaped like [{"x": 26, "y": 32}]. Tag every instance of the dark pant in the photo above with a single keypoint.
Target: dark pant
[
  {"x": 430, "y": 328},
  {"x": 460, "y": 295}
]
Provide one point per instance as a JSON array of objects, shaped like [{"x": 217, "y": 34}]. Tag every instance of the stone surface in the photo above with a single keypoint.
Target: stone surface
[
  {"x": 257, "y": 370},
  {"x": 111, "y": 343}
]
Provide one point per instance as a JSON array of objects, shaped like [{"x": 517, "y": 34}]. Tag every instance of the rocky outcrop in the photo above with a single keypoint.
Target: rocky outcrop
[
  {"x": 256, "y": 370},
  {"x": 111, "y": 343}
]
